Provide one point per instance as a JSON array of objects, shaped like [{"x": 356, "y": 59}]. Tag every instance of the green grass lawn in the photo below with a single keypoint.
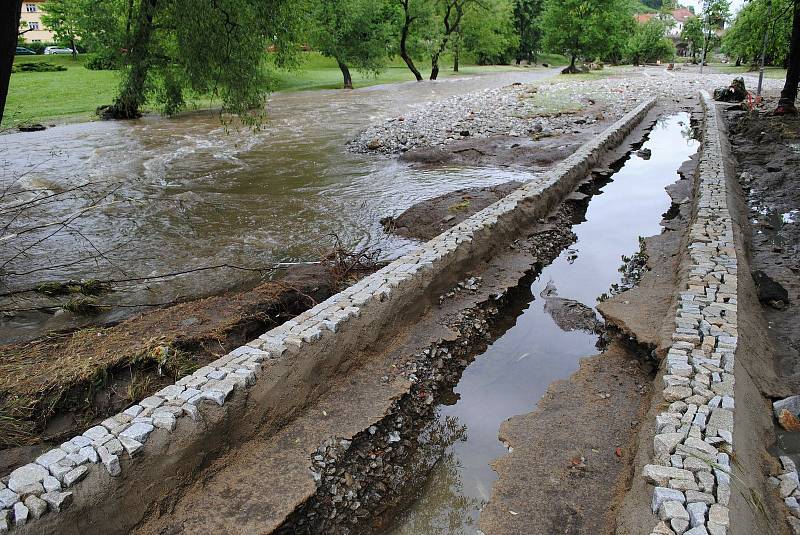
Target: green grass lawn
[
  {"x": 43, "y": 96},
  {"x": 74, "y": 94},
  {"x": 777, "y": 73}
]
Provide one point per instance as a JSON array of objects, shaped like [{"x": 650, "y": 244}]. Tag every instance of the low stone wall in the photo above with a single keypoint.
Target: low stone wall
[
  {"x": 119, "y": 468},
  {"x": 691, "y": 465}
]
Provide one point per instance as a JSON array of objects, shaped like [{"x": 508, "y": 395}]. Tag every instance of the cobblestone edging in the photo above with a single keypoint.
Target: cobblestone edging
[
  {"x": 48, "y": 484},
  {"x": 692, "y": 449}
]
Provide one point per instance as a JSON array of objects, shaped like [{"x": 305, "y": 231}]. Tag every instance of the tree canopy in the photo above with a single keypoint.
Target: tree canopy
[
  {"x": 745, "y": 38},
  {"x": 648, "y": 43},
  {"x": 356, "y": 33},
  {"x": 217, "y": 47},
  {"x": 587, "y": 29}
]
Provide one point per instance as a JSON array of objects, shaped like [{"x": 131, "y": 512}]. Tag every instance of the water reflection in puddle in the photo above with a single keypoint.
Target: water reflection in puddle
[{"x": 515, "y": 371}]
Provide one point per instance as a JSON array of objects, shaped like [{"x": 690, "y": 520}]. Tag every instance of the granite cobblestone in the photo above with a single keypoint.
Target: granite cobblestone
[
  {"x": 695, "y": 434},
  {"x": 125, "y": 435}
]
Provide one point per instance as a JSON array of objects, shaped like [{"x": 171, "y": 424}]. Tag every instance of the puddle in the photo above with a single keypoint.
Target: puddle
[{"x": 515, "y": 371}]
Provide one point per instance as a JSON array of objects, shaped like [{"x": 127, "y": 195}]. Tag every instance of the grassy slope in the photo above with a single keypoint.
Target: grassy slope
[
  {"x": 74, "y": 94},
  {"x": 769, "y": 72}
]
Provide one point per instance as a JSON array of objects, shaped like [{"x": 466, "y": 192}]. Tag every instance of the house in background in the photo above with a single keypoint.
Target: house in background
[
  {"x": 31, "y": 27},
  {"x": 674, "y": 20}
]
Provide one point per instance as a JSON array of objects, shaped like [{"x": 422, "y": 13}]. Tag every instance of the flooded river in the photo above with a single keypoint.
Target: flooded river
[
  {"x": 515, "y": 371},
  {"x": 142, "y": 198}
]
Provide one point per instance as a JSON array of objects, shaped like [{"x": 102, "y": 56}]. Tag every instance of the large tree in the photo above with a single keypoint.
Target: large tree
[
  {"x": 529, "y": 31},
  {"x": 744, "y": 40},
  {"x": 648, "y": 43},
  {"x": 488, "y": 34},
  {"x": 356, "y": 33},
  {"x": 412, "y": 13},
  {"x": 450, "y": 13},
  {"x": 63, "y": 17},
  {"x": 786, "y": 104},
  {"x": 715, "y": 14},
  {"x": 10, "y": 12},
  {"x": 692, "y": 34},
  {"x": 586, "y": 28},
  {"x": 212, "y": 47}
]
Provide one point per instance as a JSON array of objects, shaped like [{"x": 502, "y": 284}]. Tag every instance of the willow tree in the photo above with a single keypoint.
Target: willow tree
[
  {"x": 206, "y": 47},
  {"x": 355, "y": 33}
]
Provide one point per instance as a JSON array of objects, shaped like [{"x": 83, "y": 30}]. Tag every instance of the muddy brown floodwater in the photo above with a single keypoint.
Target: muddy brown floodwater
[
  {"x": 164, "y": 195},
  {"x": 515, "y": 371}
]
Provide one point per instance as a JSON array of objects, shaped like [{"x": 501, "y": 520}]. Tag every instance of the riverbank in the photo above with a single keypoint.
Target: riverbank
[{"x": 73, "y": 95}]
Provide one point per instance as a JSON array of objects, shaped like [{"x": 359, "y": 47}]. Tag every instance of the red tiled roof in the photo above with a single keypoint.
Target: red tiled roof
[
  {"x": 682, "y": 14},
  {"x": 644, "y": 18}
]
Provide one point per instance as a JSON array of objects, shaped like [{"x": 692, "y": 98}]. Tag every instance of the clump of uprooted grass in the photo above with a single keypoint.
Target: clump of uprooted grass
[
  {"x": 93, "y": 372},
  {"x": 33, "y": 387}
]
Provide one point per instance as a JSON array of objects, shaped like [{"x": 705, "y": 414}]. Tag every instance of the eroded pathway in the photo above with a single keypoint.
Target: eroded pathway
[{"x": 546, "y": 344}]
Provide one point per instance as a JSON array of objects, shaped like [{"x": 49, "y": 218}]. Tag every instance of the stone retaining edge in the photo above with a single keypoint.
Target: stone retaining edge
[
  {"x": 692, "y": 448},
  {"x": 95, "y": 458}
]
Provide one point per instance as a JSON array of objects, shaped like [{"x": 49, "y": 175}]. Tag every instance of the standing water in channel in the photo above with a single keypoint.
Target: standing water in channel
[{"x": 515, "y": 371}]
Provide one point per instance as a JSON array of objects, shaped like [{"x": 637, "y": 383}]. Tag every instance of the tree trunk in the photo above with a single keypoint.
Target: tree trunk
[
  {"x": 74, "y": 48},
  {"x": 348, "y": 80},
  {"x": 403, "y": 39},
  {"x": 434, "y": 66},
  {"x": 132, "y": 95},
  {"x": 128, "y": 20},
  {"x": 10, "y": 11},
  {"x": 789, "y": 93},
  {"x": 456, "y": 50}
]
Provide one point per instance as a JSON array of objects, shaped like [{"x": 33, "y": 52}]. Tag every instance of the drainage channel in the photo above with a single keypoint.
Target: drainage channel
[{"x": 550, "y": 336}]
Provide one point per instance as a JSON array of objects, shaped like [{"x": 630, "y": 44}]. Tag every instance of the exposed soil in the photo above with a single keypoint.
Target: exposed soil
[
  {"x": 767, "y": 151},
  {"x": 533, "y": 153},
  {"x": 581, "y": 441},
  {"x": 427, "y": 219},
  {"x": 570, "y": 451},
  {"x": 53, "y": 387}
]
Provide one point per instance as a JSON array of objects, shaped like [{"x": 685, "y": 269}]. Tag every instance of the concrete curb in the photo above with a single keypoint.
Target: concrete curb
[
  {"x": 119, "y": 468},
  {"x": 693, "y": 444}
]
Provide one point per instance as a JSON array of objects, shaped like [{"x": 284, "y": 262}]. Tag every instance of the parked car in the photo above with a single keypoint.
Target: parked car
[
  {"x": 57, "y": 50},
  {"x": 22, "y": 51}
]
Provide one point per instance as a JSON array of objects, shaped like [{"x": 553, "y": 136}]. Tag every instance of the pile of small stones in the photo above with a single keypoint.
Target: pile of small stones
[
  {"x": 32, "y": 490},
  {"x": 513, "y": 110},
  {"x": 509, "y": 111},
  {"x": 361, "y": 478},
  {"x": 788, "y": 485},
  {"x": 692, "y": 448}
]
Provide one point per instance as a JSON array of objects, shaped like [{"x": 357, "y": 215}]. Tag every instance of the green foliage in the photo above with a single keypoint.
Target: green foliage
[
  {"x": 587, "y": 29},
  {"x": 63, "y": 18},
  {"x": 488, "y": 33},
  {"x": 357, "y": 33},
  {"x": 714, "y": 16},
  {"x": 692, "y": 34},
  {"x": 648, "y": 43},
  {"x": 39, "y": 66},
  {"x": 527, "y": 23},
  {"x": 102, "y": 62},
  {"x": 745, "y": 38},
  {"x": 173, "y": 50}
]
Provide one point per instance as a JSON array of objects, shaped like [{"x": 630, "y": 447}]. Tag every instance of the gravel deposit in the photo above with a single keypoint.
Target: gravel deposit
[{"x": 553, "y": 108}]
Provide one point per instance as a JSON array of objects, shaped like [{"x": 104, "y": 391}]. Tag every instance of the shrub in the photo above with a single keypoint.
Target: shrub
[
  {"x": 98, "y": 62},
  {"x": 37, "y": 67}
]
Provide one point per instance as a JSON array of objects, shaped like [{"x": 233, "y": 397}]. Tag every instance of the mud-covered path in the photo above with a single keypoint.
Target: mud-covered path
[{"x": 257, "y": 484}]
